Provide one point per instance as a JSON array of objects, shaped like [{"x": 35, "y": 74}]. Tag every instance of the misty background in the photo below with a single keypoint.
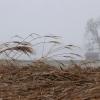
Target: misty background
[{"x": 66, "y": 18}]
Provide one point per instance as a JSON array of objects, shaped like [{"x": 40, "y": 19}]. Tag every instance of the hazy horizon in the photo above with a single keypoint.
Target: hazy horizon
[{"x": 66, "y": 18}]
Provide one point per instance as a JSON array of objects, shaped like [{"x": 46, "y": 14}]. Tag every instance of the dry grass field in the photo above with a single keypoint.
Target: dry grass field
[
  {"x": 44, "y": 82},
  {"x": 40, "y": 81}
]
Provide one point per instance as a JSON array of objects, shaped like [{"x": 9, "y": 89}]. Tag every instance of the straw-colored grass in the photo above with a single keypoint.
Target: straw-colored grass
[
  {"x": 44, "y": 82},
  {"x": 40, "y": 81},
  {"x": 24, "y": 49},
  {"x": 51, "y": 48}
]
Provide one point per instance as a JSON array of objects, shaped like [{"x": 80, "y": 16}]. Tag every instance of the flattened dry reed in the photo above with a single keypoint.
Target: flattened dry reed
[{"x": 24, "y": 49}]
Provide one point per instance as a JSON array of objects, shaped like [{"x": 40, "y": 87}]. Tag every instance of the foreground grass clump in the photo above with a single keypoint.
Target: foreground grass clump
[{"x": 44, "y": 82}]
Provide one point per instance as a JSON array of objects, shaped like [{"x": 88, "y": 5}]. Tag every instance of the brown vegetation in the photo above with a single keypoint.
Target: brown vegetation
[
  {"x": 44, "y": 82},
  {"x": 40, "y": 81}
]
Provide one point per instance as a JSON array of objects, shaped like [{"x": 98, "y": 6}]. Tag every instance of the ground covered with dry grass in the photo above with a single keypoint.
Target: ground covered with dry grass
[{"x": 43, "y": 82}]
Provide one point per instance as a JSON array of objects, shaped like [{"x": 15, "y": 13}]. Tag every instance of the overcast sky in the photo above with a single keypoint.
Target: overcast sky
[{"x": 62, "y": 17}]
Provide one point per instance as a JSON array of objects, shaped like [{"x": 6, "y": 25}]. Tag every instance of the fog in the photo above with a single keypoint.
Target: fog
[{"x": 66, "y": 18}]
